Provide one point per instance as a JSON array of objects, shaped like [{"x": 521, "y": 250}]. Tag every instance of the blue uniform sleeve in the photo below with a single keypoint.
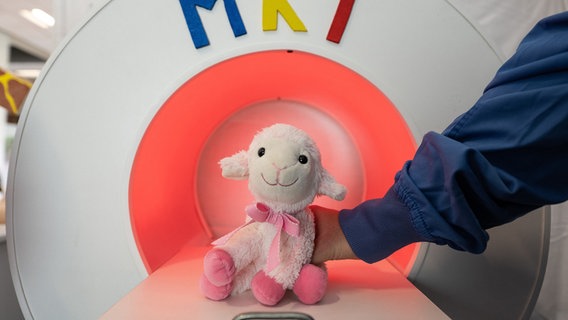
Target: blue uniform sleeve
[{"x": 505, "y": 157}]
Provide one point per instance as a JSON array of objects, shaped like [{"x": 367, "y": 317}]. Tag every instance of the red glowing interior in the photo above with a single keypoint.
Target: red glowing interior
[{"x": 177, "y": 195}]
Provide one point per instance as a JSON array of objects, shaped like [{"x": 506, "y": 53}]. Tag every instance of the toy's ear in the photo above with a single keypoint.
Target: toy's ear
[
  {"x": 236, "y": 166},
  {"x": 330, "y": 187}
]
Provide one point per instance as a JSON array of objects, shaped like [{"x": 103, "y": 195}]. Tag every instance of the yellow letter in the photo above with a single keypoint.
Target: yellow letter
[{"x": 270, "y": 10}]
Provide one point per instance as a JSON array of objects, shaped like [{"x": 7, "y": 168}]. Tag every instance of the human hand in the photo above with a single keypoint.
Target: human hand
[{"x": 330, "y": 242}]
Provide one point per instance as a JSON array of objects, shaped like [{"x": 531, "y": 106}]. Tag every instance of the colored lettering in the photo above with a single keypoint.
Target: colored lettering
[
  {"x": 235, "y": 18},
  {"x": 195, "y": 25},
  {"x": 270, "y": 10},
  {"x": 340, "y": 20}
]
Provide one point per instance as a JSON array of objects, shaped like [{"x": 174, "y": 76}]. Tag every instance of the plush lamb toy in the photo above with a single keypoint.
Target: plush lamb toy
[{"x": 271, "y": 252}]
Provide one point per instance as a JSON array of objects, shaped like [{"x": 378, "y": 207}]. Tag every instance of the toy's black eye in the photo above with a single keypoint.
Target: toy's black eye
[
  {"x": 303, "y": 159},
  {"x": 261, "y": 152}
]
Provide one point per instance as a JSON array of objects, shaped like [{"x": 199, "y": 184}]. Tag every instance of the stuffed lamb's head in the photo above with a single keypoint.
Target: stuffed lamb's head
[{"x": 283, "y": 166}]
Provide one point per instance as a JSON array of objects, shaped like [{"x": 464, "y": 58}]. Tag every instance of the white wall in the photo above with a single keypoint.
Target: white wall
[
  {"x": 70, "y": 14},
  {"x": 506, "y": 22},
  {"x": 4, "y": 50}
]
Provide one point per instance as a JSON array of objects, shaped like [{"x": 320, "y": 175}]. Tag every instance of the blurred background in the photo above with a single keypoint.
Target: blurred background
[{"x": 30, "y": 30}]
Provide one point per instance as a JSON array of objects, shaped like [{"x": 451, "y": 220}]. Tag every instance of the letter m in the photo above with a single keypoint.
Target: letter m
[{"x": 195, "y": 26}]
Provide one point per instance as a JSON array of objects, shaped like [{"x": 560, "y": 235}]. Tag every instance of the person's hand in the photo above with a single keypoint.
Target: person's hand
[{"x": 330, "y": 242}]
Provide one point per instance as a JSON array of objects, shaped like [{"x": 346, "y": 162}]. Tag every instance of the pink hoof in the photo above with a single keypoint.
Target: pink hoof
[
  {"x": 214, "y": 292},
  {"x": 218, "y": 267},
  {"x": 266, "y": 290},
  {"x": 311, "y": 284}
]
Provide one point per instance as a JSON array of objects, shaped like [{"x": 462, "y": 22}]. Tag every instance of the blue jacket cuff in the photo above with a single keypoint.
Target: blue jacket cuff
[{"x": 377, "y": 228}]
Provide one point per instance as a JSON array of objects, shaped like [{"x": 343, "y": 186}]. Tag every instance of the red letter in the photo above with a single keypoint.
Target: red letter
[{"x": 340, "y": 20}]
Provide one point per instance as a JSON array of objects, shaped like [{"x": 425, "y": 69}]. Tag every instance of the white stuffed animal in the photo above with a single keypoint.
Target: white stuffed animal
[{"x": 271, "y": 252}]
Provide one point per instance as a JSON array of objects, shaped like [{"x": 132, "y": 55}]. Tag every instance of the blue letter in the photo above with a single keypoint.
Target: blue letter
[
  {"x": 195, "y": 25},
  {"x": 235, "y": 18}
]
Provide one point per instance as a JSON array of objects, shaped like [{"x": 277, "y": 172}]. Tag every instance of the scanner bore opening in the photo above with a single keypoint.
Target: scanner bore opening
[{"x": 177, "y": 196}]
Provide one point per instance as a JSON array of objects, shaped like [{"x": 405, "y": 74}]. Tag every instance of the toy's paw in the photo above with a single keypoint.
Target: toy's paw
[
  {"x": 266, "y": 290},
  {"x": 311, "y": 284},
  {"x": 214, "y": 292},
  {"x": 218, "y": 267}
]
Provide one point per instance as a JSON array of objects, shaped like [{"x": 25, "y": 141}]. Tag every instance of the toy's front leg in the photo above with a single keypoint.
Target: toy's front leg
[
  {"x": 309, "y": 287},
  {"x": 218, "y": 273},
  {"x": 266, "y": 290},
  {"x": 228, "y": 268},
  {"x": 311, "y": 284}
]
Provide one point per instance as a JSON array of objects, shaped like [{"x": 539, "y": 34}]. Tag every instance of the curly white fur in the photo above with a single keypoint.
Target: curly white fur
[{"x": 284, "y": 170}]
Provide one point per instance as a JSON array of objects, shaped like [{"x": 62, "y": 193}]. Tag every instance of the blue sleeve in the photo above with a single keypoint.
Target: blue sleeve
[{"x": 505, "y": 157}]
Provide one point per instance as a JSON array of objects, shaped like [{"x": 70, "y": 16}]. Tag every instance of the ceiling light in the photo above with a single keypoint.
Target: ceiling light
[
  {"x": 27, "y": 73},
  {"x": 38, "y": 17}
]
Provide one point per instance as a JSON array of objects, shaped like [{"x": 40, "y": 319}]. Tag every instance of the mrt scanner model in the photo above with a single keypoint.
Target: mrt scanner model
[{"x": 115, "y": 192}]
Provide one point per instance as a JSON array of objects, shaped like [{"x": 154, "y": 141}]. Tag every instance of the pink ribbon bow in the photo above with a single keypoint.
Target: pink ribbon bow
[{"x": 281, "y": 220}]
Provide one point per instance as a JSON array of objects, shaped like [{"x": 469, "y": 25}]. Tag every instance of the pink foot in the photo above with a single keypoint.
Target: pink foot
[
  {"x": 218, "y": 267},
  {"x": 214, "y": 292},
  {"x": 266, "y": 290},
  {"x": 311, "y": 284}
]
